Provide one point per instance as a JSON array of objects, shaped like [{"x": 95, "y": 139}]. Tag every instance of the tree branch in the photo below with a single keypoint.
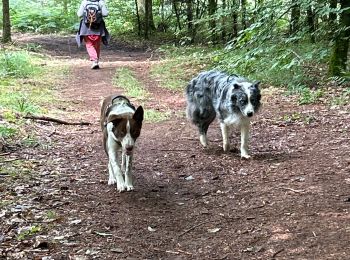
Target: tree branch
[{"x": 58, "y": 121}]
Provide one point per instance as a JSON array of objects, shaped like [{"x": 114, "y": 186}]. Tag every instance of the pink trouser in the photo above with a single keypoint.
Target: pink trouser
[{"x": 93, "y": 45}]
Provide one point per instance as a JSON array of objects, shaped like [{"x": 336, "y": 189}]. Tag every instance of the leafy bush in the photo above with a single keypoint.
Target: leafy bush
[
  {"x": 16, "y": 64},
  {"x": 38, "y": 17}
]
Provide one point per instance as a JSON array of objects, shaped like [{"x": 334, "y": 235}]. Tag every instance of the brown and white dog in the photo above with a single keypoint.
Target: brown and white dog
[{"x": 121, "y": 125}]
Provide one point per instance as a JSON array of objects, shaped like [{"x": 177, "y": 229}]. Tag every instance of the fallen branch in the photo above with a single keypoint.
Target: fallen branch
[
  {"x": 290, "y": 189},
  {"x": 276, "y": 253},
  {"x": 191, "y": 228},
  {"x": 50, "y": 119}
]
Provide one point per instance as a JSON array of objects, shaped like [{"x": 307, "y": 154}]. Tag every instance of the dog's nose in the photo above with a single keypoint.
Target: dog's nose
[
  {"x": 129, "y": 148},
  {"x": 250, "y": 114}
]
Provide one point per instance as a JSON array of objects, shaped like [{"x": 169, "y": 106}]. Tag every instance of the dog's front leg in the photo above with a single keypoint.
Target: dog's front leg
[
  {"x": 245, "y": 139},
  {"x": 225, "y": 138},
  {"x": 128, "y": 175},
  {"x": 115, "y": 173}
]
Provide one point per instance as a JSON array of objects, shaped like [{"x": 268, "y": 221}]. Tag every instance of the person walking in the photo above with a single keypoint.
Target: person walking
[{"x": 92, "y": 29}]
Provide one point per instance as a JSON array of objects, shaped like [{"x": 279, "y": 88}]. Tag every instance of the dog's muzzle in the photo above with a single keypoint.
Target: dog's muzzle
[
  {"x": 250, "y": 114},
  {"x": 129, "y": 150}
]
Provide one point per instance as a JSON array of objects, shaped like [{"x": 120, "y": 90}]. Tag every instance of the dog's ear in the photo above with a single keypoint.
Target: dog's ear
[
  {"x": 236, "y": 86},
  {"x": 256, "y": 84},
  {"x": 138, "y": 115}
]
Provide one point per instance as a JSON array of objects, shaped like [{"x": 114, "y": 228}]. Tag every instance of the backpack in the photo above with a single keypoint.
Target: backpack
[{"x": 92, "y": 14}]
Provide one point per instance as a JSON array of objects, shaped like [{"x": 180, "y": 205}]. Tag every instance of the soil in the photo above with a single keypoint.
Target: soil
[{"x": 291, "y": 200}]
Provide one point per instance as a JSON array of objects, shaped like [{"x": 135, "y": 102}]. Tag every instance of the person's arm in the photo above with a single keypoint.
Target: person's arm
[
  {"x": 103, "y": 8},
  {"x": 80, "y": 12}
]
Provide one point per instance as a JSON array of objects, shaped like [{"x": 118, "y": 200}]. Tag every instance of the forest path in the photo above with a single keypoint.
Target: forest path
[{"x": 290, "y": 201}]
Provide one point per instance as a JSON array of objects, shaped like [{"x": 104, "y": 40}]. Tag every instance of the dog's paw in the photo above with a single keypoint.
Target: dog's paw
[
  {"x": 203, "y": 140},
  {"x": 129, "y": 188},
  {"x": 121, "y": 187},
  {"x": 245, "y": 156},
  {"x": 112, "y": 181}
]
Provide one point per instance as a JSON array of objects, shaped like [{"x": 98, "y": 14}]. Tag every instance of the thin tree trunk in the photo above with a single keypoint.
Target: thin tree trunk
[
  {"x": 6, "y": 22},
  {"x": 138, "y": 19},
  {"x": 177, "y": 15},
  {"x": 294, "y": 19},
  {"x": 224, "y": 18},
  {"x": 234, "y": 19},
  {"x": 339, "y": 55},
  {"x": 311, "y": 23},
  {"x": 212, "y": 7},
  {"x": 244, "y": 13},
  {"x": 190, "y": 27},
  {"x": 151, "y": 24},
  {"x": 147, "y": 20}
]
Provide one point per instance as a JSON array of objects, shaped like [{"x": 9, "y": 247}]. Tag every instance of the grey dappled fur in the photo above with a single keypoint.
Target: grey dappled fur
[{"x": 214, "y": 93}]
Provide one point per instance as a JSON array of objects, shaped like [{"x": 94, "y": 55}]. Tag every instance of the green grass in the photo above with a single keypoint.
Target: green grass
[
  {"x": 17, "y": 64},
  {"x": 28, "y": 232},
  {"x": 342, "y": 99},
  {"x": 179, "y": 65},
  {"x": 154, "y": 116},
  {"x": 25, "y": 87},
  {"x": 7, "y": 131},
  {"x": 125, "y": 79}
]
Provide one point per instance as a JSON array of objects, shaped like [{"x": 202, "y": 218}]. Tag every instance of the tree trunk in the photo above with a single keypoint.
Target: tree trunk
[
  {"x": 6, "y": 22},
  {"x": 151, "y": 24},
  {"x": 212, "y": 7},
  {"x": 244, "y": 13},
  {"x": 190, "y": 26},
  {"x": 177, "y": 15},
  {"x": 234, "y": 19},
  {"x": 224, "y": 18},
  {"x": 339, "y": 55},
  {"x": 145, "y": 16},
  {"x": 138, "y": 19},
  {"x": 294, "y": 19},
  {"x": 311, "y": 23}
]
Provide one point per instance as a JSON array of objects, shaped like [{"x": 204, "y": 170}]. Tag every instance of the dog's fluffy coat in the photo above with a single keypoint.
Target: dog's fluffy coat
[
  {"x": 232, "y": 98},
  {"x": 121, "y": 125}
]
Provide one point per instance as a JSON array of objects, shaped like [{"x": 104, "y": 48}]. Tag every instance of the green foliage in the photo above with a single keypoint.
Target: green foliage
[
  {"x": 122, "y": 18},
  {"x": 7, "y": 131},
  {"x": 43, "y": 17},
  {"x": 154, "y": 116},
  {"x": 180, "y": 64},
  {"x": 16, "y": 64},
  {"x": 124, "y": 78},
  {"x": 342, "y": 99},
  {"x": 28, "y": 232}
]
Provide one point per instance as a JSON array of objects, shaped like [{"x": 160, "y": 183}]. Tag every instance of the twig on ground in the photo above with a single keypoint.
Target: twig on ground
[
  {"x": 50, "y": 119},
  {"x": 191, "y": 228},
  {"x": 276, "y": 253},
  {"x": 11, "y": 160},
  {"x": 296, "y": 191}
]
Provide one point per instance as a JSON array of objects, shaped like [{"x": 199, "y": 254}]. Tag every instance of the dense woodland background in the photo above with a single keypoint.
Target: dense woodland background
[
  {"x": 291, "y": 201},
  {"x": 289, "y": 33}
]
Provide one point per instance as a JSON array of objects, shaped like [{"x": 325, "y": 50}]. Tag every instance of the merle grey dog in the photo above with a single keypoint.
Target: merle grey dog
[{"x": 232, "y": 98}]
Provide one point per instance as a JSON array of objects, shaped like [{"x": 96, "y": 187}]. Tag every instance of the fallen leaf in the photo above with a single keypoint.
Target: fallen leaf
[
  {"x": 214, "y": 230},
  {"x": 151, "y": 229}
]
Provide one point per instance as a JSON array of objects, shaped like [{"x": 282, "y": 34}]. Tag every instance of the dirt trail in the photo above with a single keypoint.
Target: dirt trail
[{"x": 291, "y": 201}]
